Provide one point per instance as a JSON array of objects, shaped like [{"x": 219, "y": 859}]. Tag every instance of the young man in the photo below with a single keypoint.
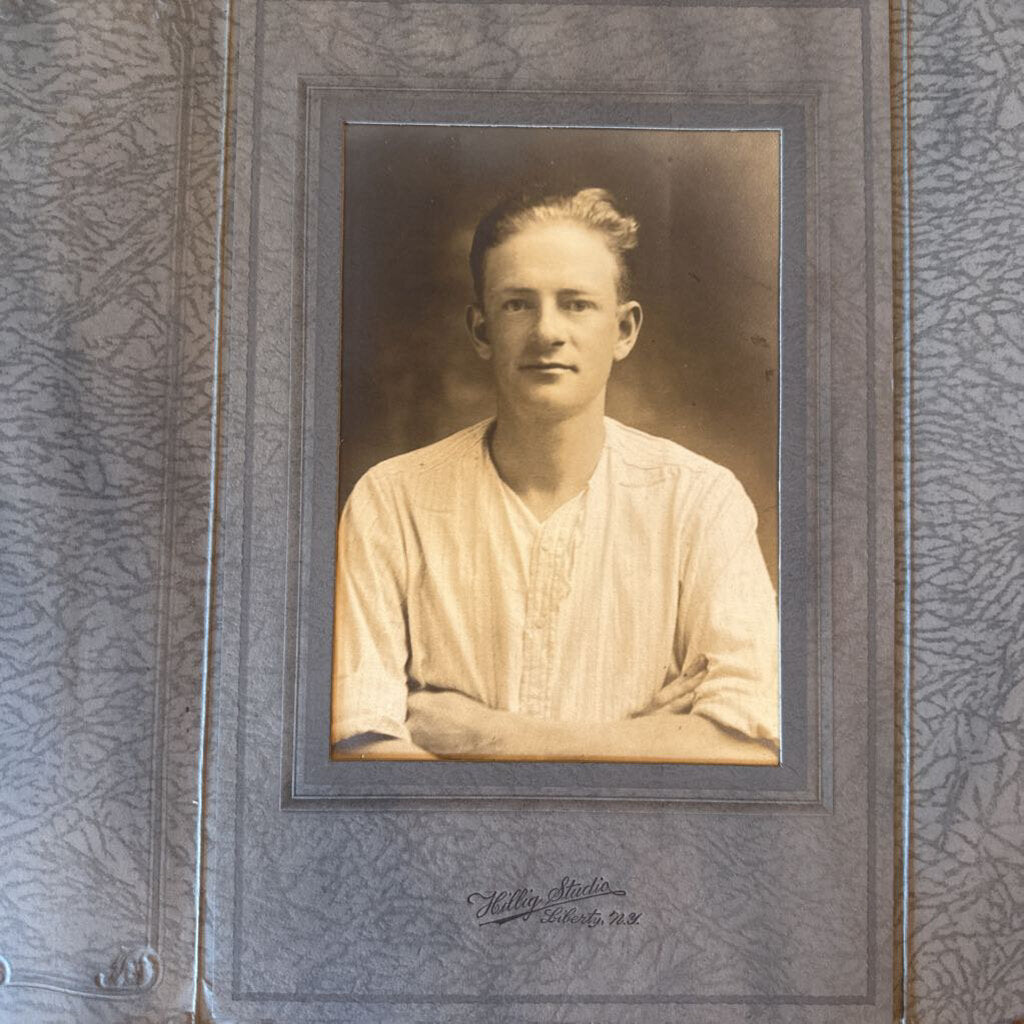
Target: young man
[{"x": 550, "y": 583}]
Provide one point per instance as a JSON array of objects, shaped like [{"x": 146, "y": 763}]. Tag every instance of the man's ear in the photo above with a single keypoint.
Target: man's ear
[
  {"x": 476, "y": 324},
  {"x": 630, "y": 316}
]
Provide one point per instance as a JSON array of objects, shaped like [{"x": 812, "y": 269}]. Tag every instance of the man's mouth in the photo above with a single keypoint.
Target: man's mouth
[{"x": 548, "y": 366}]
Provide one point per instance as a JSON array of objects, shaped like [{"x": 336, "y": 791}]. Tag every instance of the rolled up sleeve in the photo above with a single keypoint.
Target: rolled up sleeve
[
  {"x": 729, "y": 618},
  {"x": 369, "y": 688}
]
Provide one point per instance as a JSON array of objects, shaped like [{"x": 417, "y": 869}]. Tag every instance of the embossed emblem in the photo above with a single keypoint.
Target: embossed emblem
[{"x": 131, "y": 969}]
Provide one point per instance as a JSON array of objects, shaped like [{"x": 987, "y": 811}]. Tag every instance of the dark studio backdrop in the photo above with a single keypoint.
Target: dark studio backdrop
[{"x": 705, "y": 369}]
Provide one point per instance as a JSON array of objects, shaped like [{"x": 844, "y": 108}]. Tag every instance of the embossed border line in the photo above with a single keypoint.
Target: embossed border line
[{"x": 802, "y": 781}]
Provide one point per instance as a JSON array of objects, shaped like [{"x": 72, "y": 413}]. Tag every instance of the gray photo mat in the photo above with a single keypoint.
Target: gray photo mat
[
  {"x": 839, "y": 925},
  {"x": 309, "y": 772}
]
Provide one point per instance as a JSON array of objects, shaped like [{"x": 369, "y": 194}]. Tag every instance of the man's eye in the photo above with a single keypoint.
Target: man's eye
[
  {"x": 580, "y": 305},
  {"x": 514, "y": 305}
]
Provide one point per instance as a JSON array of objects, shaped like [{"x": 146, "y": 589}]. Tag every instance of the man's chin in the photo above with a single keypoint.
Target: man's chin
[
  {"x": 552, "y": 403},
  {"x": 550, "y": 408}
]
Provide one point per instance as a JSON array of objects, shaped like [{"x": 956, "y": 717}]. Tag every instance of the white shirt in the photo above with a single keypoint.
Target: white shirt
[{"x": 651, "y": 575}]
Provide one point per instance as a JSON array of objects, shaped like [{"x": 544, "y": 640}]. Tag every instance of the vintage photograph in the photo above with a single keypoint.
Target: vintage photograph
[{"x": 558, "y": 529}]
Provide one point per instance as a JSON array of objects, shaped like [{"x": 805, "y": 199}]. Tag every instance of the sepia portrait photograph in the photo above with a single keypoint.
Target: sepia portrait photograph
[{"x": 558, "y": 471}]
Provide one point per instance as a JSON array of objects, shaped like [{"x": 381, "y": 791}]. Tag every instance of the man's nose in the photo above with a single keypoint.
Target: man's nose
[{"x": 549, "y": 324}]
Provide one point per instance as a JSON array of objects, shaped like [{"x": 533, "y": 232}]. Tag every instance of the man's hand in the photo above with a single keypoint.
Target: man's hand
[
  {"x": 451, "y": 724},
  {"x": 677, "y": 696}
]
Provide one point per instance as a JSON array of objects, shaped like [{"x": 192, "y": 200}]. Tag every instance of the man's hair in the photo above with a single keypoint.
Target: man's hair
[{"x": 594, "y": 208}]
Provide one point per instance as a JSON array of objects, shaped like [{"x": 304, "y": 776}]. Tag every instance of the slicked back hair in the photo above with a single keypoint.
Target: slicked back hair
[{"x": 594, "y": 208}]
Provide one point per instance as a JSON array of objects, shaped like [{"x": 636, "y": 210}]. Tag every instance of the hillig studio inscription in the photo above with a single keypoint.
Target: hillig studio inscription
[{"x": 587, "y": 904}]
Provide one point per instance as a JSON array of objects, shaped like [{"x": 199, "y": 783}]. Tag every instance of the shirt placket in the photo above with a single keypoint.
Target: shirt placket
[{"x": 548, "y": 586}]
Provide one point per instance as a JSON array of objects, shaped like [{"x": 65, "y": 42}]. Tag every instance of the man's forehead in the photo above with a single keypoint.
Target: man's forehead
[{"x": 563, "y": 256}]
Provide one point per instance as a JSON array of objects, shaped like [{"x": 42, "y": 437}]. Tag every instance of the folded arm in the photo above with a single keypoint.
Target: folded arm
[{"x": 452, "y": 725}]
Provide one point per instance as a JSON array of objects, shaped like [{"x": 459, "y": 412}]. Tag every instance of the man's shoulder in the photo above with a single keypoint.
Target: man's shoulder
[
  {"x": 650, "y": 455},
  {"x": 662, "y": 473},
  {"x": 433, "y": 464}
]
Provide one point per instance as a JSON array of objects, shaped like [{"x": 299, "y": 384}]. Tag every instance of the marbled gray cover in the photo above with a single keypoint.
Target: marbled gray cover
[
  {"x": 108, "y": 166},
  {"x": 967, "y": 512}
]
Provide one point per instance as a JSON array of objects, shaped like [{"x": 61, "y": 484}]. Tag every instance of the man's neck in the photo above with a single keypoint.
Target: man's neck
[{"x": 547, "y": 462}]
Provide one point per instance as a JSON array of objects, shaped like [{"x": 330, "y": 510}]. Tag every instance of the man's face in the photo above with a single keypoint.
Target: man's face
[{"x": 552, "y": 324}]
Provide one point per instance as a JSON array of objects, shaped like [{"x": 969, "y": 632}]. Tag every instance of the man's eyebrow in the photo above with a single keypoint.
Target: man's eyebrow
[{"x": 562, "y": 292}]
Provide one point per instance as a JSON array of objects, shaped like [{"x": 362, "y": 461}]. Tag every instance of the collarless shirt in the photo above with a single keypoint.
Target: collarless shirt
[{"x": 650, "y": 577}]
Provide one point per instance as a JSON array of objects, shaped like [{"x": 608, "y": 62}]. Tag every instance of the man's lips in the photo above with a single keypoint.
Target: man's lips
[{"x": 548, "y": 366}]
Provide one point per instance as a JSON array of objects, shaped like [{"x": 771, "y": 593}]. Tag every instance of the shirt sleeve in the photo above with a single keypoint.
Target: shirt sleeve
[
  {"x": 729, "y": 617},
  {"x": 369, "y": 689}
]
